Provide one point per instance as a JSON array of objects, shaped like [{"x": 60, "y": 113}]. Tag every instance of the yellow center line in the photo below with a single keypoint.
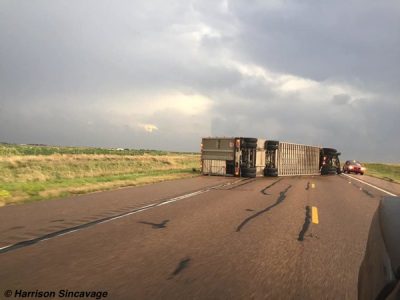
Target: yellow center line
[{"x": 314, "y": 215}]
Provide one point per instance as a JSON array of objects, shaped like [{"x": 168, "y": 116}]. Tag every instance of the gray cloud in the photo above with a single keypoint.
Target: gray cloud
[
  {"x": 341, "y": 99},
  {"x": 98, "y": 72},
  {"x": 356, "y": 41}
]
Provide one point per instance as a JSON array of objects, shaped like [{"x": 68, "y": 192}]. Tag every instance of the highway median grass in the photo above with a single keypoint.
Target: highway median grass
[
  {"x": 26, "y": 177},
  {"x": 389, "y": 172}
]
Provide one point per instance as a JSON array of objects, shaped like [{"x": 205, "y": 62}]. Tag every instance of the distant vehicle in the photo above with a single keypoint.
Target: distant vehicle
[
  {"x": 353, "y": 166},
  {"x": 379, "y": 273}
]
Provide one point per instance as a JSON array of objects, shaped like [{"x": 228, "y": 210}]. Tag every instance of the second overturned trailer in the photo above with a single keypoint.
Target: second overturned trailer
[{"x": 251, "y": 157}]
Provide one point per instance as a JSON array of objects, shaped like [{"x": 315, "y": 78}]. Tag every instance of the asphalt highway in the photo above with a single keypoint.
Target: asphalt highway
[{"x": 199, "y": 238}]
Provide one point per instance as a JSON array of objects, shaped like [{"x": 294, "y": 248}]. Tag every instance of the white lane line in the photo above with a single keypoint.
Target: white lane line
[
  {"x": 137, "y": 210},
  {"x": 8, "y": 246},
  {"x": 371, "y": 185},
  {"x": 61, "y": 234},
  {"x": 147, "y": 207}
]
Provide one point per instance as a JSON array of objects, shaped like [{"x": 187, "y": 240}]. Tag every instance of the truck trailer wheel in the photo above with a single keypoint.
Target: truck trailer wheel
[
  {"x": 250, "y": 175},
  {"x": 249, "y": 145},
  {"x": 250, "y": 140},
  {"x": 329, "y": 151},
  {"x": 271, "y": 145},
  {"x": 271, "y": 172},
  {"x": 248, "y": 172}
]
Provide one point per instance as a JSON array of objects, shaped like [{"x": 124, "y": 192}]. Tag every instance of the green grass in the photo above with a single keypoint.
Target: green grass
[
  {"x": 33, "y": 191},
  {"x": 58, "y": 172},
  {"x": 13, "y": 149},
  {"x": 390, "y": 172}
]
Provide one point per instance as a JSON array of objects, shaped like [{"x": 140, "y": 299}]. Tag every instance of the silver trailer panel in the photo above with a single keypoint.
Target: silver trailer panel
[
  {"x": 218, "y": 149},
  {"x": 296, "y": 159}
]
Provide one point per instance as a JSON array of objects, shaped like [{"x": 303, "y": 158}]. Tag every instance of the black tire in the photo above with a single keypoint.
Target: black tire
[
  {"x": 271, "y": 145},
  {"x": 271, "y": 172},
  {"x": 250, "y": 140},
  {"x": 249, "y": 175},
  {"x": 248, "y": 172},
  {"x": 329, "y": 151},
  {"x": 249, "y": 145},
  {"x": 362, "y": 173},
  {"x": 328, "y": 170},
  {"x": 339, "y": 171}
]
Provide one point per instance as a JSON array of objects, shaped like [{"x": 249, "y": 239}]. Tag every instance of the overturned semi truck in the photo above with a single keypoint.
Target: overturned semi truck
[{"x": 251, "y": 157}]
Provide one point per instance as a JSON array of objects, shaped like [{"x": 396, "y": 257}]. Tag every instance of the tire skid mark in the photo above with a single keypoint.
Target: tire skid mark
[
  {"x": 155, "y": 225},
  {"x": 40, "y": 238},
  {"x": 70, "y": 223},
  {"x": 12, "y": 228},
  {"x": 263, "y": 191},
  {"x": 282, "y": 196},
  {"x": 183, "y": 264},
  {"x": 13, "y": 238},
  {"x": 244, "y": 182},
  {"x": 61, "y": 232},
  {"x": 306, "y": 225},
  {"x": 368, "y": 193}
]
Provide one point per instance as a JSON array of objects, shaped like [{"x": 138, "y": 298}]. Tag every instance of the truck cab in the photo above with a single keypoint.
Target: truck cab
[{"x": 329, "y": 161}]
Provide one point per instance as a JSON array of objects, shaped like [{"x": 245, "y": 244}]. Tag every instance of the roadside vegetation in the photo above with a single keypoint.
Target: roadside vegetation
[
  {"x": 12, "y": 149},
  {"x": 31, "y": 173},
  {"x": 389, "y": 172}
]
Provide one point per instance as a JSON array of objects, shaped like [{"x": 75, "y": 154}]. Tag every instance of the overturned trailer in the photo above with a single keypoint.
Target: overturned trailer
[{"x": 251, "y": 157}]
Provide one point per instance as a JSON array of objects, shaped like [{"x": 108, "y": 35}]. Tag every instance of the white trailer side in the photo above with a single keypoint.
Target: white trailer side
[
  {"x": 297, "y": 159},
  {"x": 260, "y": 157}
]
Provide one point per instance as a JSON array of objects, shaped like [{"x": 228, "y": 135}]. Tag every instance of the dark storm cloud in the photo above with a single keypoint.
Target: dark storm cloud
[
  {"x": 101, "y": 73},
  {"x": 349, "y": 40}
]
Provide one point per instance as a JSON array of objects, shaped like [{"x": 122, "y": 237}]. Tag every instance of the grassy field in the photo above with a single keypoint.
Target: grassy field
[
  {"x": 390, "y": 172},
  {"x": 31, "y": 173},
  {"x": 12, "y": 150}
]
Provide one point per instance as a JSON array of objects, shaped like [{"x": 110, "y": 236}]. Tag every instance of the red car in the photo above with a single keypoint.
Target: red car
[{"x": 353, "y": 166}]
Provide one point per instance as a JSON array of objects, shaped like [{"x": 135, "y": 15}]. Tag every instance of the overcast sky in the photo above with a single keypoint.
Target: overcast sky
[{"x": 162, "y": 74}]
